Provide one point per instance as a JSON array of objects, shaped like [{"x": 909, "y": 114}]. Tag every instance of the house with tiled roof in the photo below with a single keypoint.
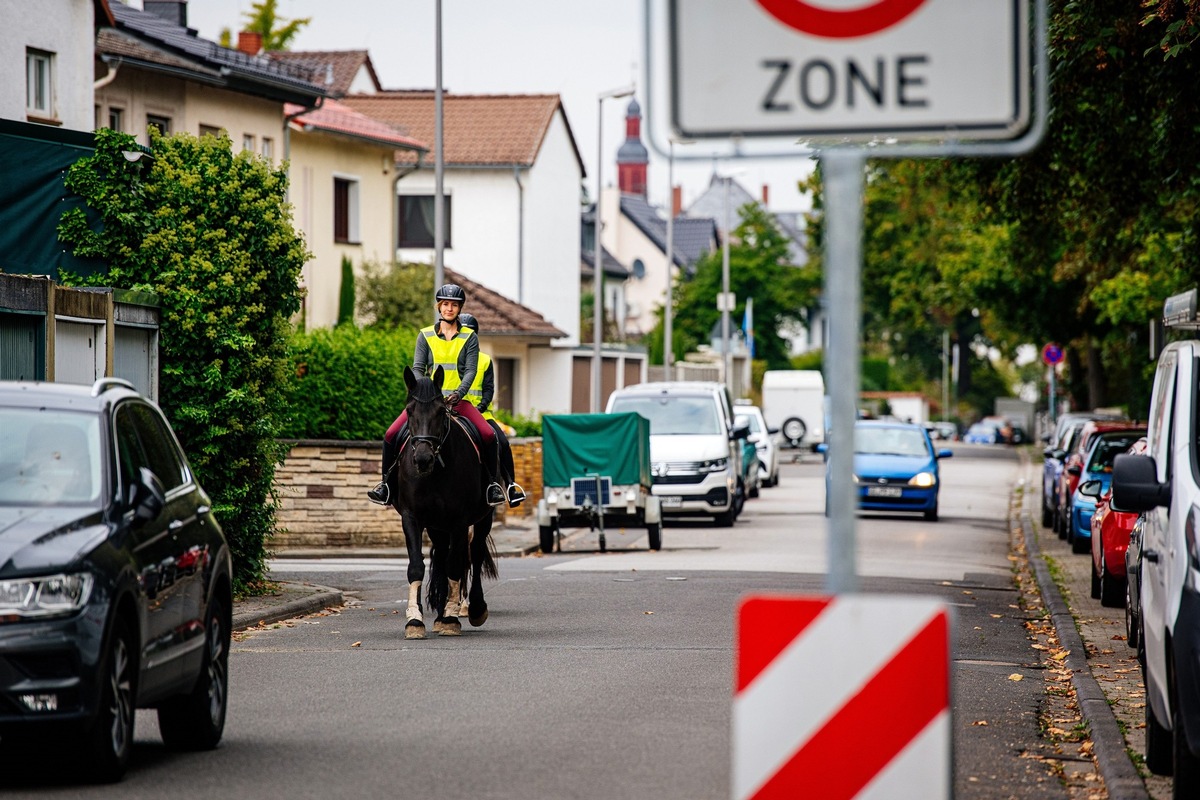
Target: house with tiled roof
[
  {"x": 512, "y": 177},
  {"x": 342, "y": 72},
  {"x": 343, "y": 170}
]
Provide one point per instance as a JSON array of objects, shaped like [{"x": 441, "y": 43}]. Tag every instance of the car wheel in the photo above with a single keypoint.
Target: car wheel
[
  {"x": 1131, "y": 621},
  {"x": 1159, "y": 758},
  {"x": 196, "y": 720},
  {"x": 1095, "y": 581},
  {"x": 1080, "y": 545},
  {"x": 1058, "y": 524},
  {"x": 1112, "y": 588},
  {"x": 1186, "y": 785},
  {"x": 932, "y": 514},
  {"x": 725, "y": 518},
  {"x": 654, "y": 535},
  {"x": 546, "y": 538},
  {"x": 1047, "y": 517},
  {"x": 108, "y": 738},
  {"x": 793, "y": 430}
]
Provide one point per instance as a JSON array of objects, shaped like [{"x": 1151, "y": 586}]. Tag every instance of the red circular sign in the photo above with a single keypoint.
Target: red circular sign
[
  {"x": 832, "y": 24},
  {"x": 1052, "y": 354}
]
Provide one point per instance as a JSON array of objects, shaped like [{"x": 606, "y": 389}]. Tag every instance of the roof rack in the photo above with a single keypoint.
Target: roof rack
[
  {"x": 104, "y": 384},
  {"x": 1179, "y": 311}
]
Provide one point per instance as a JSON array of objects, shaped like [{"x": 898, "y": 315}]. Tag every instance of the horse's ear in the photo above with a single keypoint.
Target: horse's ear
[
  {"x": 439, "y": 376},
  {"x": 410, "y": 378}
]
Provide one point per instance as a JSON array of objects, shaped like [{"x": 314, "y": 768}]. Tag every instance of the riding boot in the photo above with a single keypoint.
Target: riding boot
[
  {"x": 494, "y": 491},
  {"x": 380, "y": 493}
]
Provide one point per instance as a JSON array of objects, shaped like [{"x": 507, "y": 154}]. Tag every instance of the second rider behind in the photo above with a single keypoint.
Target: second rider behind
[
  {"x": 480, "y": 395},
  {"x": 454, "y": 348}
]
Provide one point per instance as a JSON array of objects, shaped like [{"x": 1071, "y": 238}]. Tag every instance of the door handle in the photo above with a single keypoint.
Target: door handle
[
  {"x": 175, "y": 525},
  {"x": 202, "y": 509},
  {"x": 1150, "y": 555}
]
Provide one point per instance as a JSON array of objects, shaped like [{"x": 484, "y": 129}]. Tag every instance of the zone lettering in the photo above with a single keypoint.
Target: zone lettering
[{"x": 819, "y": 84}]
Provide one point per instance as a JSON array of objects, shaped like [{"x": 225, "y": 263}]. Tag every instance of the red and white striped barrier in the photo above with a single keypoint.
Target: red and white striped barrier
[{"x": 842, "y": 697}]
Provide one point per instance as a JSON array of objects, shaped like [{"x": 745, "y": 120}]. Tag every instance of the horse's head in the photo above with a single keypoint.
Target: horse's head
[{"x": 428, "y": 418}]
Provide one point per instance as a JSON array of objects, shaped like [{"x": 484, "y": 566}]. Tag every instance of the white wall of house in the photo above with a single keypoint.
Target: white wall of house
[
  {"x": 486, "y": 223},
  {"x": 65, "y": 29},
  {"x": 317, "y": 160},
  {"x": 628, "y": 244},
  {"x": 548, "y": 384}
]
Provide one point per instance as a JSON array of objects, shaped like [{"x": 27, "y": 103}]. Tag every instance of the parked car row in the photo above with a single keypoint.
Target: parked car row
[{"x": 996, "y": 430}]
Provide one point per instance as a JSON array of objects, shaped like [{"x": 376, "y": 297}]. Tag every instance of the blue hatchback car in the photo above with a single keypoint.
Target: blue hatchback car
[
  {"x": 895, "y": 468},
  {"x": 1094, "y": 479}
]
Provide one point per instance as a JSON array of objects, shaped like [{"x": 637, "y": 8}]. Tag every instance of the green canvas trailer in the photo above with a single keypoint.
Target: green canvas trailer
[{"x": 596, "y": 472}]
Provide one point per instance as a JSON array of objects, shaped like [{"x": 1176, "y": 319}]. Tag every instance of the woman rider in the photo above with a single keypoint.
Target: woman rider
[
  {"x": 480, "y": 395},
  {"x": 455, "y": 349}
]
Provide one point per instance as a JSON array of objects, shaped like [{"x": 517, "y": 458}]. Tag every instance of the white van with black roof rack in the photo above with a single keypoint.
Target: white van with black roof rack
[{"x": 1164, "y": 486}]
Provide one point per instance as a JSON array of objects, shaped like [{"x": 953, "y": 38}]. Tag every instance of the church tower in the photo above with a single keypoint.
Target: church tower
[{"x": 632, "y": 158}]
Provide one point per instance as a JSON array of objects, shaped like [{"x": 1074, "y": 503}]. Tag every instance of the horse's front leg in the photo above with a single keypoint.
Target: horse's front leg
[{"x": 414, "y": 626}]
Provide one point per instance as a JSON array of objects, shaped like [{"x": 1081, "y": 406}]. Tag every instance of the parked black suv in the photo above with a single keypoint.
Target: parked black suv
[{"x": 115, "y": 578}]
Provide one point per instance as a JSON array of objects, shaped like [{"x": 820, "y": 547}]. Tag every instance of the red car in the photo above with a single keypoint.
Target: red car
[
  {"x": 1110, "y": 540},
  {"x": 1073, "y": 466}
]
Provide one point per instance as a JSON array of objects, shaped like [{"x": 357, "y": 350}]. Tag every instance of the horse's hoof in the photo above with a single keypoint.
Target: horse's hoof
[
  {"x": 450, "y": 626},
  {"x": 414, "y": 630},
  {"x": 477, "y": 621}
]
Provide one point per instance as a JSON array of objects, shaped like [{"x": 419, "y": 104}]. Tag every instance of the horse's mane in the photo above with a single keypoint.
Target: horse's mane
[{"x": 425, "y": 391}]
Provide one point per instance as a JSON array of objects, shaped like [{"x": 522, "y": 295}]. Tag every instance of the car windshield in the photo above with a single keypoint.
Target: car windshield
[
  {"x": 890, "y": 441},
  {"x": 1108, "y": 448},
  {"x": 49, "y": 457},
  {"x": 673, "y": 414},
  {"x": 751, "y": 421}
]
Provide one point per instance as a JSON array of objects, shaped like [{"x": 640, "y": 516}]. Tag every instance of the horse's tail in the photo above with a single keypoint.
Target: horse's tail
[
  {"x": 438, "y": 591},
  {"x": 483, "y": 548}
]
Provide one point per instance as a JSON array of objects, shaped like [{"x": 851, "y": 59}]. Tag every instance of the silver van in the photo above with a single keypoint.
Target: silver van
[{"x": 695, "y": 449}]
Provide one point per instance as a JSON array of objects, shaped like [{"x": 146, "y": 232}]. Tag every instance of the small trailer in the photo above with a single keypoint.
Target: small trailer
[{"x": 596, "y": 473}]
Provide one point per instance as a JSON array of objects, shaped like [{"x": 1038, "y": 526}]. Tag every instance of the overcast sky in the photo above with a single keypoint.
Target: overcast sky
[{"x": 574, "y": 49}]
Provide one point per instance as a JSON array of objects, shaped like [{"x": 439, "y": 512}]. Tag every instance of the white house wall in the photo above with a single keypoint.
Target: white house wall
[
  {"x": 548, "y": 384},
  {"x": 317, "y": 159},
  {"x": 65, "y": 28},
  {"x": 628, "y": 243}
]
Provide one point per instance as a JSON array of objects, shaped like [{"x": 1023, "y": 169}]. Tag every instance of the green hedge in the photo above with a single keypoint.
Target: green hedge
[{"x": 349, "y": 382}]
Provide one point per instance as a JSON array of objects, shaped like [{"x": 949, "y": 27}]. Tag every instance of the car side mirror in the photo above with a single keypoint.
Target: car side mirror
[
  {"x": 1090, "y": 489},
  {"x": 146, "y": 497},
  {"x": 822, "y": 448},
  {"x": 945, "y": 453},
  {"x": 1048, "y": 452},
  {"x": 1075, "y": 469},
  {"x": 1135, "y": 485},
  {"x": 740, "y": 432},
  {"x": 1059, "y": 455}
]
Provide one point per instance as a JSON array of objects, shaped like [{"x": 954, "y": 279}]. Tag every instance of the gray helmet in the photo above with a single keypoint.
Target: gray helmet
[
  {"x": 469, "y": 321},
  {"x": 451, "y": 291}
]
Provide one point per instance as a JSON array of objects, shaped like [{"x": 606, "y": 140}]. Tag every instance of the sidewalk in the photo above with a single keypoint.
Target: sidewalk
[{"x": 518, "y": 537}]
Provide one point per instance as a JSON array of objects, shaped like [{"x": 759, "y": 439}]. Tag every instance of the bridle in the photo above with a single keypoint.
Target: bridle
[{"x": 434, "y": 443}]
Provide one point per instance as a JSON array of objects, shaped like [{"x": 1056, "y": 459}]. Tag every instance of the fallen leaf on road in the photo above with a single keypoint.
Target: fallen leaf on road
[
  {"x": 647, "y": 612},
  {"x": 1016, "y": 676},
  {"x": 1061, "y": 655},
  {"x": 980, "y": 722},
  {"x": 996, "y": 616},
  {"x": 1085, "y": 749},
  {"x": 357, "y": 644}
]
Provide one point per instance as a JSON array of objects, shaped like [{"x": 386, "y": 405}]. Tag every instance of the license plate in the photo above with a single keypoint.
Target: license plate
[
  {"x": 670, "y": 501},
  {"x": 884, "y": 491}
]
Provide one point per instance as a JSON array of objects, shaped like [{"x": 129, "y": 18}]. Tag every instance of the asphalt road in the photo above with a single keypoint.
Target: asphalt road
[{"x": 600, "y": 675}]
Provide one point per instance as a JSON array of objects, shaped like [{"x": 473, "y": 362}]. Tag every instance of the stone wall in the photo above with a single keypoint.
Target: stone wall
[{"x": 322, "y": 489}]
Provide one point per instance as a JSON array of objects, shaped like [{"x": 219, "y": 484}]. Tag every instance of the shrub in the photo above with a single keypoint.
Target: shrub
[
  {"x": 346, "y": 296},
  {"x": 349, "y": 382}
]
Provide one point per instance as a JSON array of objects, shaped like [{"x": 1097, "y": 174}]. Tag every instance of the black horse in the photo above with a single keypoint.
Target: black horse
[{"x": 439, "y": 487}]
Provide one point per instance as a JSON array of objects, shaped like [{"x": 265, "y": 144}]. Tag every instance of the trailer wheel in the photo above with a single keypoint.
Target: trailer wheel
[
  {"x": 793, "y": 429},
  {"x": 654, "y": 534},
  {"x": 546, "y": 538}
]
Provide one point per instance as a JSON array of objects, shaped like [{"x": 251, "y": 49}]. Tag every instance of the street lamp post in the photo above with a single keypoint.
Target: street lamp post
[
  {"x": 668, "y": 307},
  {"x": 598, "y": 275},
  {"x": 726, "y": 355},
  {"x": 439, "y": 210}
]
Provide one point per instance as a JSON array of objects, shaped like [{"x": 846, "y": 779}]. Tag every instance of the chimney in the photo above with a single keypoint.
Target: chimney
[
  {"x": 249, "y": 42},
  {"x": 766, "y": 195},
  {"x": 676, "y": 200},
  {"x": 173, "y": 11}
]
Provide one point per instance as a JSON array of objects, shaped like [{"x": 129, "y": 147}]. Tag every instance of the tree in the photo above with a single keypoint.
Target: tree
[
  {"x": 346, "y": 295},
  {"x": 758, "y": 268},
  {"x": 397, "y": 295},
  {"x": 209, "y": 232},
  {"x": 277, "y": 33}
]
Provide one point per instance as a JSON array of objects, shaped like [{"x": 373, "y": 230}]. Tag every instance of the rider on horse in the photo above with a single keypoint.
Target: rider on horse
[
  {"x": 454, "y": 348},
  {"x": 480, "y": 395}
]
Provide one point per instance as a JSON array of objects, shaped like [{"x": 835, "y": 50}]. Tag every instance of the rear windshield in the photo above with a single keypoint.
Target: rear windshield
[
  {"x": 674, "y": 414},
  {"x": 49, "y": 458}
]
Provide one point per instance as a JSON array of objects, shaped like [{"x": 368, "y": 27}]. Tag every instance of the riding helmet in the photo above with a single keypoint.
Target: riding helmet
[
  {"x": 469, "y": 321},
  {"x": 451, "y": 291}
]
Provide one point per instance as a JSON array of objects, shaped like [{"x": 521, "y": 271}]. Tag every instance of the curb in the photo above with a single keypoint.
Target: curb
[
  {"x": 320, "y": 598},
  {"x": 1121, "y": 777}
]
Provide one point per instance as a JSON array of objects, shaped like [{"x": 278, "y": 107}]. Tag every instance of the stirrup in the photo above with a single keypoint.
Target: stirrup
[
  {"x": 516, "y": 495},
  {"x": 494, "y": 494},
  {"x": 380, "y": 493}
]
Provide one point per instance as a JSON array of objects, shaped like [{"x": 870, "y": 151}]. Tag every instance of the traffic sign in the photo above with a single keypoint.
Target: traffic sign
[
  {"x": 831, "y": 69},
  {"x": 1052, "y": 354},
  {"x": 845, "y": 696}
]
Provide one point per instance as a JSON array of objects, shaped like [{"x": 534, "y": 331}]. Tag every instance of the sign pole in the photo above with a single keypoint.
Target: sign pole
[{"x": 844, "y": 180}]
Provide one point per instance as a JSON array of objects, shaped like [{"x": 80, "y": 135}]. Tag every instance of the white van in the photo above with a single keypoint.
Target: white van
[
  {"x": 1164, "y": 486},
  {"x": 793, "y": 400},
  {"x": 695, "y": 447}
]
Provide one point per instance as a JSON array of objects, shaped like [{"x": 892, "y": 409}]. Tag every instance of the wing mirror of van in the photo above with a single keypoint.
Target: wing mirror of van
[
  {"x": 1135, "y": 484},
  {"x": 741, "y": 431}
]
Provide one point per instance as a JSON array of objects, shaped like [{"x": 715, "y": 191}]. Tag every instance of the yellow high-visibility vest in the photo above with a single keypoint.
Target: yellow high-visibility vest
[{"x": 445, "y": 355}]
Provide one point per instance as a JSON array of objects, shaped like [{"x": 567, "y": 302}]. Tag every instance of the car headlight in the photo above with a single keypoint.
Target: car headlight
[
  {"x": 923, "y": 480},
  {"x": 854, "y": 478},
  {"x": 714, "y": 465},
  {"x": 49, "y": 596}
]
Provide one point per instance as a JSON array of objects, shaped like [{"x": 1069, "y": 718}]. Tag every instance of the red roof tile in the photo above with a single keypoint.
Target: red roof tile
[{"x": 337, "y": 118}]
